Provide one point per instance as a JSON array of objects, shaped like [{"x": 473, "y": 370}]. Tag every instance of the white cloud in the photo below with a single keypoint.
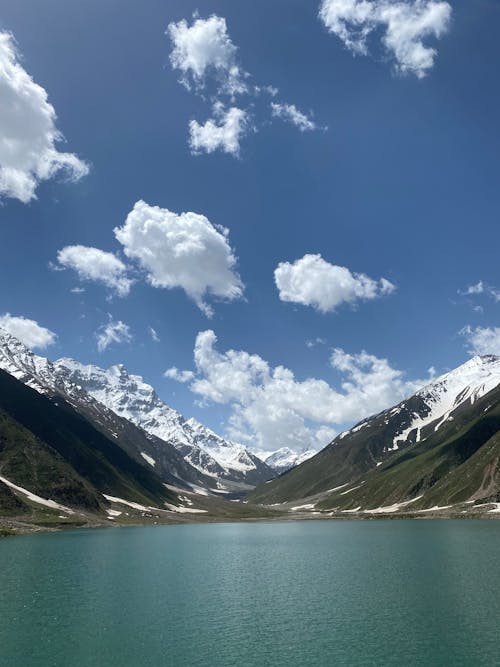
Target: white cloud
[
  {"x": 310, "y": 343},
  {"x": 27, "y": 331},
  {"x": 181, "y": 250},
  {"x": 312, "y": 281},
  {"x": 404, "y": 25},
  {"x": 290, "y": 113},
  {"x": 371, "y": 384},
  {"x": 478, "y": 288},
  {"x": 113, "y": 332},
  {"x": 28, "y": 133},
  {"x": 223, "y": 132},
  {"x": 482, "y": 340},
  {"x": 482, "y": 288},
  {"x": 205, "y": 56},
  {"x": 323, "y": 436},
  {"x": 203, "y": 49},
  {"x": 271, "y": 408},
  {"x": 154, "y": 335},
  {"x": 96, "y": 265},
  {"x": 180, "y": 376}
]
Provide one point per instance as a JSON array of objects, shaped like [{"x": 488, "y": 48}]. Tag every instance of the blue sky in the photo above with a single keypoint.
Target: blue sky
[{"x": 397, "y": 180}]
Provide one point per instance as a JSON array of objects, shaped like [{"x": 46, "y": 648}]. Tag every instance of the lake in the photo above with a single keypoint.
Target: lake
[{"x": 296, "y": 594}]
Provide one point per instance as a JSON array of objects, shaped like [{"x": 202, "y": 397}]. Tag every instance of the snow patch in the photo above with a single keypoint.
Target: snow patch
[
  {"x": 149, "y": 459},
  {"x": 36, "y": 499},
  {"x": 436, "y": 508},
  {"x": 344, "y": 493},
  {"x": 392, "y": 508}
]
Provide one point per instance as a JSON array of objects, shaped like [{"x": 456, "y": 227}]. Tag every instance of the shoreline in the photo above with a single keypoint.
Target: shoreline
[{"x": 11, "y": 527}]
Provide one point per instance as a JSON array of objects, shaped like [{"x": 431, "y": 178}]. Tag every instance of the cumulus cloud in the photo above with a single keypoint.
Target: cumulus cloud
[
  {"x": 290, "y": 113},
  {"x": 403, "y": 25},
  {"x": 181, "y": 250},
  {"x": 204, "y": 49},
  {"x": 312, "y": 281},
  {"x": 206, "y": 58},
  {"x": 271, "y": 408},
  {"x": 27, "y": 331},
  {"x": 223, "y": 132},
  {"x": 96, "y": 265},
  {"x": 482, "y": 340},
  {"x": 180, "y": 376},
  {"x": 113, "y": 332},
  {"x": 28, "y": 132}
]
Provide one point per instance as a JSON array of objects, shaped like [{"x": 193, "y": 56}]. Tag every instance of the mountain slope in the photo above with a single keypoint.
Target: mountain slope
[
  {"x": 376, "y": 439},
  {"x": 132, "y": 398},
  {"x": 209, "y": 460},
  {"x": 48, "y": 447},
  {"x": 458, "y": 464}
]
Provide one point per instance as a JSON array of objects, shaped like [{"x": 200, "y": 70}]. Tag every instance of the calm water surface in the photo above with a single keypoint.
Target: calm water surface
[{"x": 293, "y": 594}]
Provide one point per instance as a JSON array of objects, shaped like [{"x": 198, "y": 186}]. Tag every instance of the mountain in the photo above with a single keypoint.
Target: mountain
[
  {"x": 46, "y": 446},
  {"x": 59, "y": 468},
  {"x": 209, "y": 460},
  {"x": 426, "y": 419},
  {"x": 284, "y": 459},
  {"x": 454, "y": 467},
  {"x": 40, "y": 374},
  {"x": 232, "y": 465}
]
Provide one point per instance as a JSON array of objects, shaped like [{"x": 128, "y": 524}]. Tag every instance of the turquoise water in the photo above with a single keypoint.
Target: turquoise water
[{"x": 293, "y": 594}]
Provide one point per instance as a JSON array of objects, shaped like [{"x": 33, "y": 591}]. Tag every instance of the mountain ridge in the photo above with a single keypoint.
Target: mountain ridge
[
  {"x": 231, "y": 466},
  {"x": 373, "y": 440}
]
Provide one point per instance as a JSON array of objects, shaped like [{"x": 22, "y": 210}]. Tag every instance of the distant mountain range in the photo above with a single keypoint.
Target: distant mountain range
[
  {"x": 438, "y": 448},
  {"x": 78, "y": 441}
]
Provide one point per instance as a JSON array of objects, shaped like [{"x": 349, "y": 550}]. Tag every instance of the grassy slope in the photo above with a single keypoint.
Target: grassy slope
[
  {"x": 455, "y": 464},
  {"x": 86, "y": 450},
  {"x": 333, "y": 466},
  {"x": 403, "y": 474},
  {"x": 344, "y": 460},
  {"x": 10, "y": 503},
  {"x": 30, "y": 463}
]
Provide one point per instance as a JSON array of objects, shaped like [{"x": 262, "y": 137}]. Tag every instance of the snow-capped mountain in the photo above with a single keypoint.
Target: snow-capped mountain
[
  {"x": 285, "y": 458},
  {"x": 371, "y": 442},
  {"x": 462, "y": 386},
  {"x": 130, "y": 397},
  {"x": 425, "y": 412}
]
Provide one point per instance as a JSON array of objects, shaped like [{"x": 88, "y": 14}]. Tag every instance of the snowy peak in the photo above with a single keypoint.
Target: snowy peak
[
  {"x": 285, "y": 458},
  {"x": 130, "y": 397},
  {"x": 422, "y": 414},
  {"x": 17, "y": 360},
  {"x": 469, "y": 381},
  {"x": 465, "y": 384}
]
